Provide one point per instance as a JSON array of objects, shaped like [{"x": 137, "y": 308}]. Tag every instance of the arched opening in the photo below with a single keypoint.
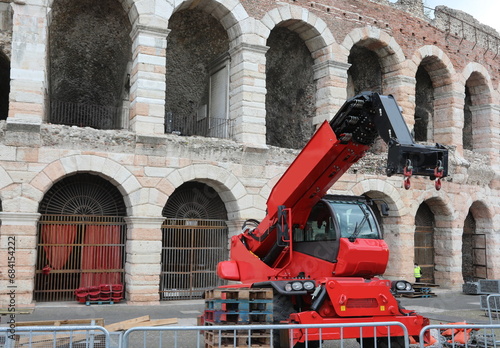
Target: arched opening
[
  {"x": 424, "y": 242},
  {"x": 197, "y": 76},
  {"x": 474, "y": 265},
  {"x": 477, "y": 96},
  {"x": 81, "y": 238},
  {"x": 89, "y": 51},
  {"x": 195, "y": 237},
  {"x": 365, "y": 73},
  {"x": 467, "y": 130},
  {"x": 424, "y": 105},
  {"x": 291, "y": 90},
  {"x": 4, "y": 86}
]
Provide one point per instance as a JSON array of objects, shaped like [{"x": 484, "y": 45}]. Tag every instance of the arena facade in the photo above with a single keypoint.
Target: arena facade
[{"x": 137, "y": 135}]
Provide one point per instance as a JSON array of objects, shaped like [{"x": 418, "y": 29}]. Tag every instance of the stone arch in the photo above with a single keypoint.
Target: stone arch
[
  {"x": 311, "y": 29},
  {"x": 135, "y": 197},
  {"x": 382, "y": 189},
  {"x": 129, "y": 7},
  {"x": 375, "y": 62},
  {"x": 474, "y": 67},
  {"x": 378, "y": 41},
  {"x": 444, "y": 67},
  {"x": 232, "y": 192},
  {"x": 230, "y": 13},
  {"x": 442, "y": 75}
]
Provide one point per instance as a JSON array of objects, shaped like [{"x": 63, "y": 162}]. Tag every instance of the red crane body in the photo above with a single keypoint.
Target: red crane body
[{"x": 322, "y": 253}]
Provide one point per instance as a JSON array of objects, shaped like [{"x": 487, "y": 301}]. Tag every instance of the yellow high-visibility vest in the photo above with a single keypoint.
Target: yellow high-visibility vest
[{"x": 417, "y": 272}]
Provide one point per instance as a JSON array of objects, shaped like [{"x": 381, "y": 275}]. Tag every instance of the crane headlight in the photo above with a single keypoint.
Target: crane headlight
[
  {"x": 401, "y": 285},
  {"x": 308, "y": 285},
  {"x": 297, "y": 286}
]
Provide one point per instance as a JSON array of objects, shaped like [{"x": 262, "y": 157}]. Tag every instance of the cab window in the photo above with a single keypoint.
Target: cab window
[
  {"x": 355, "y": 220},
  {"x": 319, "y": 226}
]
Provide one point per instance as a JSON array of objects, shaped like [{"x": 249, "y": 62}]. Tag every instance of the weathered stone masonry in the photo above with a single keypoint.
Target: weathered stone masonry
[{"x": 147, "y": 165}]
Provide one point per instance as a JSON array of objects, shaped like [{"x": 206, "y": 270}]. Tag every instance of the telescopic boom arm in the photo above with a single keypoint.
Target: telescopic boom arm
[{"x": 333, "y": 149}]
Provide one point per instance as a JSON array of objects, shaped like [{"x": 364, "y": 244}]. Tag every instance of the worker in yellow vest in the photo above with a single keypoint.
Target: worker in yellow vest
[{"x": 417, "y": 272}]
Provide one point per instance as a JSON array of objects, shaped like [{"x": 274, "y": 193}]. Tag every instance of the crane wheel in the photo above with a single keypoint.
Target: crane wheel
[
  {"x": 282, "y": 308},
  {"x": 382, "y": 342}
]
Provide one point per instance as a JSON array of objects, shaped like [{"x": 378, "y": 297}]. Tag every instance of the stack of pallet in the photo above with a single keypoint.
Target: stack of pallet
[
  {"x": 238, "y": 307},
  {"x": 422, "y": 290}
]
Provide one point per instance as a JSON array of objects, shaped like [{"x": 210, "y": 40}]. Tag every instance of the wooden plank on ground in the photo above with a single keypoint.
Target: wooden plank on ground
[
  {"x": 126, "y": 324},
  {"x": 129, "y": 325},
  {"x": 95, "y": 321},
  {"x": 160, "y": 322}
]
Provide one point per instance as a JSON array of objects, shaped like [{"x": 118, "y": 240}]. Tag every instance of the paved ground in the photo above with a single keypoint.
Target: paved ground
[{"x": 448, "y": 306}]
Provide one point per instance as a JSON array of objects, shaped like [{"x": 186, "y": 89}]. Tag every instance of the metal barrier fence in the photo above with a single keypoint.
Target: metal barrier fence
[
  {"x": 55, "y": 336},
  {"x": 493, "y": 308},
  {"x": 250, "y": 335},
  {"x": 463, "y": 335},
  {"x": 216, "y": 336}
]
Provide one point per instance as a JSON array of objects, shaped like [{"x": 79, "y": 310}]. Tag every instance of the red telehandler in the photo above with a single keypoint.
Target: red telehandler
[{"x": 321, "y": 254}]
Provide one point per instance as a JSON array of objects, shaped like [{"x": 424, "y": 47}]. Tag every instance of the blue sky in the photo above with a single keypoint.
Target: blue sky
[{"x": 485, "y": 11}]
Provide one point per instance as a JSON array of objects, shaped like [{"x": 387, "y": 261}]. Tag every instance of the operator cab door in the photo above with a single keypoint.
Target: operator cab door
[
  {"x": 334, "y": 218},
  {"x": 320, "y": 237}
]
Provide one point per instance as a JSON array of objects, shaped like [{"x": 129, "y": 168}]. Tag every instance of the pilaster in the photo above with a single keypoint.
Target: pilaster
[
  {"x": 143, "y": 261},
  {"x": 28, "y": 71},
  {"x": 148, "y": 86},
  {"x": 18, "y": 240},
  {"x": 247, "y": 100},
  {"x": 331, "y": 84}
]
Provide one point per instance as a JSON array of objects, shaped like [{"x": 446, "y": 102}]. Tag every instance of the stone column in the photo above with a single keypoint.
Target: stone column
[
  {"x": 495, "y": 138},
  {"x": 247, "y": 100},
  {"x": 485, "y": 131},
  {"x": 18, "y": 240},
  {"x": 28, "y": 76},
  {"x": 448, "y": 118},
  {"x": 448, "y": 256},
  {"x": 403, "y": 89},
  {"x": 143, "y": 262},
  {"x": 399, "y": 232},
  {"x": 28, "y": 68},
  {"x": 147, "y": 79},
  {"x": 331, "y": 84}
]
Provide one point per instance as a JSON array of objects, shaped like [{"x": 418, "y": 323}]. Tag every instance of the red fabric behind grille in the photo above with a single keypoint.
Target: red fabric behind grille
[
  {"x": 101, "y": 257},
  {"x": 58, "y": 234}
]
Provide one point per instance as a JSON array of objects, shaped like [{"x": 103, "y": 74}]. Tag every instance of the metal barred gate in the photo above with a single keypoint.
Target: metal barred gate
[
  {"x": 76, "y": 251},
  {"x": 190, "y": 252}
]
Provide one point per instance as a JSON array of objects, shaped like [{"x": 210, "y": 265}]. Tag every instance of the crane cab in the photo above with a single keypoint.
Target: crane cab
[{"x": 343, "y": 230}]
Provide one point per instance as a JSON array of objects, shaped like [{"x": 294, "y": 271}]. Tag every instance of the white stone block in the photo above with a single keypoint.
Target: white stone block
[
  {"x": 8, "y": 153},
  {"x": 26, "y": 74},
  {"x": 143, "y": 247}
]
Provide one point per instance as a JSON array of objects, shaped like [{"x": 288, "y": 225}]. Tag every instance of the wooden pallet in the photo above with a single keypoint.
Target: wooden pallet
[
  {"x": 239, "y": 294},
  {"x": 419, "y": 295},
  {"x": 228, "y": 338},
  {"x": 239, "y": 306},
  {"x": 88, "y": 303},
  {"x": 235, "y": 307}
]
